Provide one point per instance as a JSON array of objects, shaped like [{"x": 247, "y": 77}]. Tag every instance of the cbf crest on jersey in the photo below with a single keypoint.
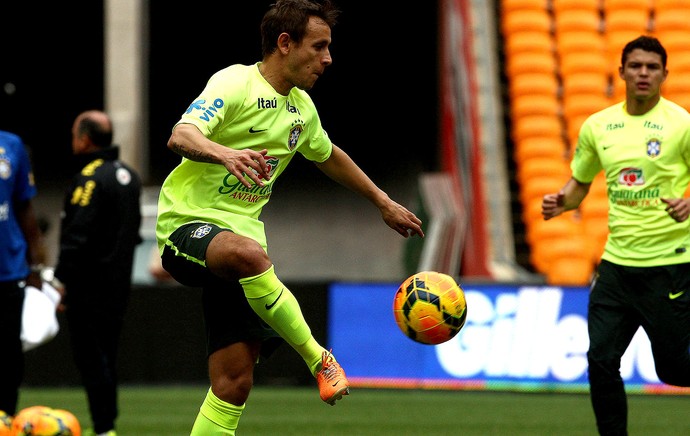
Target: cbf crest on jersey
[
  {"x": 653, "y": 147},
  {"x": 201, "y": 231},
  {"x": 295, "y": 132}
]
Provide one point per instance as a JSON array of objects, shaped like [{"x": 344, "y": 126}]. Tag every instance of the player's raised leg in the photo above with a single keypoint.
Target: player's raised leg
[{"x": 278, "y": 307}]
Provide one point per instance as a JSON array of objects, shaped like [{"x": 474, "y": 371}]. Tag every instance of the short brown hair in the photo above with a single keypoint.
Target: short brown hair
[
  {"x": 646, "y": 43},
  {"x": 291, "y": 17}
]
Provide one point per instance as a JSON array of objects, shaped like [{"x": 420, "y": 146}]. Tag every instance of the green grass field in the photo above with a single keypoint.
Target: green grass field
[{"x": 170, "y": 411}]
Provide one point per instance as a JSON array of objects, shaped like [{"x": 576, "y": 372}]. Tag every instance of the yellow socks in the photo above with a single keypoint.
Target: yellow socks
[
  {"x": 276, "y": 305},
  {"x": 216, "y": 417}
]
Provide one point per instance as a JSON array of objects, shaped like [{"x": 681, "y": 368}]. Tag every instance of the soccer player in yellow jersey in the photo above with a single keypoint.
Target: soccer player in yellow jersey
[
  {"x": 643, "y": 146},
  {"x": 235, "y": 139}
]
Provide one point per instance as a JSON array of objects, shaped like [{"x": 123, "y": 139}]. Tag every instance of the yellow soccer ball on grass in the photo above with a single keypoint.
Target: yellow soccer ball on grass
[{"x": 45, "y": 421}]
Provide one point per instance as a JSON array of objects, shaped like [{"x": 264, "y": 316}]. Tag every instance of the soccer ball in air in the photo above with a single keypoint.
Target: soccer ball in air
[
  {"x": 430, "y": 307},
  {"x": 45, "y": 421}
]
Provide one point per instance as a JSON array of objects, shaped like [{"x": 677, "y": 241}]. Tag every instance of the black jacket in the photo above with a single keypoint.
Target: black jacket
[{"x": 100, "y": 223}]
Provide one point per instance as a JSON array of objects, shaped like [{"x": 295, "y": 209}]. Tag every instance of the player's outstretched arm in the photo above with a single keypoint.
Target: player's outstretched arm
[{"x": 342, "y": 169}]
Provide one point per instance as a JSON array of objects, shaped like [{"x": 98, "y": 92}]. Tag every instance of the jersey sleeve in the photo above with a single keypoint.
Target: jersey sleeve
[
  {"x": 585, "y": 164},
  {"x": 216, "y": 102},
  {"x": 319, "y": 146}
]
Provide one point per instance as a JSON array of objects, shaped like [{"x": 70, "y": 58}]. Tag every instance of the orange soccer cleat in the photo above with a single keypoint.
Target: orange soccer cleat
[{"x": 331, "y": 379}]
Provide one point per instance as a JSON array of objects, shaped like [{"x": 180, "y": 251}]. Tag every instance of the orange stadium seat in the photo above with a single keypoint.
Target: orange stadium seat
[
  {"x": 679, "y": 62},
  {"x": 539, "y": 146},
  {"x": 577, "y": 20},
  {"x": 670, "y": 4},
  {"x": 676, "y": 83},
  {"x": 583, "y": 105},
  {"x": 573, "y": 125},
  {"x": 544, "y": 253},
  {"x": 531, "y": 63},
  {"x": 518, "y": 43},
  {"x": 531, "y": 209},
  {"x": 561, "y": 6},
  {"x": 672, "y": 19},
  {"x": 539, "y": 186},
  {"x": 579, "y": 41},
  {"x": 583, "y": 62},
  {"x": 534, "y": 167},
  {"x": 674, "y": 41},
  {"x": 614, "y": 5},
  {"x": 527, "y": 105},
  {"x": 508, "y": 6},
  {"x": 585, "y": 83},
  {"x": 536, "y": 125},
  {"x": 597, "y": 232},
  {"x": 627, "y": 19},
  {"x": 565, "y": 225},
  {"x": 542, "y": 83},
  {"x": 615, "y": 41},
  {"x": 526, "y": 21},
  {"x": 594, "y": 206},
  {"x": 617, "y": 88},
  {"x": 573, "y": 270}
]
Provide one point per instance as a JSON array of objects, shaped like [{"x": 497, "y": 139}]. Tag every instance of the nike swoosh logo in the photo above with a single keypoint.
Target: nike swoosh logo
[
  {"x": 673, "y": 296},
  {"x": 270, "y": 306},
  {"x": 253, "y": 130},
  {"x": 336, "y": 383}
]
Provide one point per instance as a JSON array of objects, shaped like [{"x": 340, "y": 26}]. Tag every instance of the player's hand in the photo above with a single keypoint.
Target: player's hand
[
  {"x": 245, "y": 164},
  {"x": 677, "y": 208},
  {"x": 401, "y": 220},
  {"x": 552, "y": 205},
  {"x": 34, "y": 279}
]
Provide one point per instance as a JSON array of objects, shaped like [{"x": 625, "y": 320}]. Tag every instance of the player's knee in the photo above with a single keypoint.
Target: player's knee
[
  {"x": 236, "y": 258},
  {"x": 255, "y": 259},
  {"x": 673, "y": 377},
  {"x": 233, "y": 390}
]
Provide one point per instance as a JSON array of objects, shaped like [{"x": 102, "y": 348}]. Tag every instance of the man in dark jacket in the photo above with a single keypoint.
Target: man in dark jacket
[{"x": 98, "y": 235}]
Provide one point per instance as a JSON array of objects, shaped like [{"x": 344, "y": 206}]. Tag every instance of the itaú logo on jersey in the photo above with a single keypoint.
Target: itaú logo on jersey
[{"x": 631, "y": 177}]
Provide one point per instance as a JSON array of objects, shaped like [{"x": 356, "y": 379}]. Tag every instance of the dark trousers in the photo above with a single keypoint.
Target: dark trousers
[
  {"x": 12, "y": 356},
  {"x": 622, "y": 300},
  {"x": 94, "y": 330}
]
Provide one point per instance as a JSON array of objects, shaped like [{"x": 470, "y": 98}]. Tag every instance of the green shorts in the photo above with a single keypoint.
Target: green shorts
[{"x": 227, "y": 314}]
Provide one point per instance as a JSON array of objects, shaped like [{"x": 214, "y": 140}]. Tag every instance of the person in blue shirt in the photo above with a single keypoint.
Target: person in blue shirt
[{"x": 21, "y": 258}]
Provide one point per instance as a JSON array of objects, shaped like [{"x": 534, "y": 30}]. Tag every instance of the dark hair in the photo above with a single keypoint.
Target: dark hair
[
  {"x": 646, "y": 43},
  {"x": 291, "y": 17},
  {"x": 100, "y": 134}
]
